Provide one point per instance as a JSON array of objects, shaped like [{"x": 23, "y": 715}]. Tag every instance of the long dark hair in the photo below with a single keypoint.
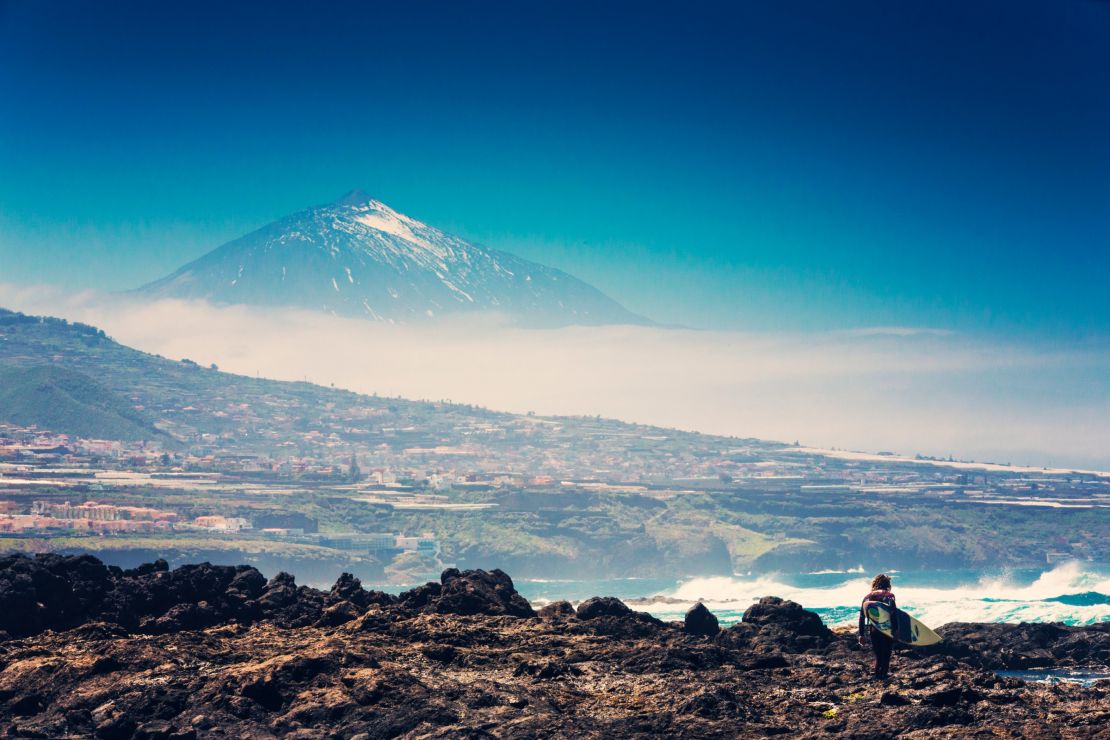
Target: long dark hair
[{"x": 880, "y": 582}]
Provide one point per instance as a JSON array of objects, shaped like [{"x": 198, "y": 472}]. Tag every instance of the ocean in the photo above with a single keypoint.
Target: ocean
[{"x": 1074, "y": 593}]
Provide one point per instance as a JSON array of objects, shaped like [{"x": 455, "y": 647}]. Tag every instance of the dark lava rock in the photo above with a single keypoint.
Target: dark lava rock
[
  {"x": 1021, "y": 646},
  {"x": 248, "y": 582},
  {"x": 603, "y": 606},
  {"x": 766, "y": 661},
  {"x": 473, "y": 592},
  {"x": 713, "y": 702},
  {"x": 701, "y": 621},
  {"x": 421, "y": 596},
  {"x": 606, "y": 615},
  {"x": 61, "y": 592},
  {"x": 557, "y": 610},
  {"x": 349, "y": 588},
  {"x": 337, "y": 614},
  {"x": 547, "y": 670},
  {"x": 950, "y": 697},
  {"x": 441, "y": 653},
  {"x": 54, "y": 592},
  {"x": 784, "y": 626},
  {"x": 773, "y": 611},
  {"x": 893, "y": 699},
  {"x": 229, "y": 654}
]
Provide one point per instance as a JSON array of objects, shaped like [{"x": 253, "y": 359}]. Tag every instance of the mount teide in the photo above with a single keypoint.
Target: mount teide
[{"x": 358, "y": 257}]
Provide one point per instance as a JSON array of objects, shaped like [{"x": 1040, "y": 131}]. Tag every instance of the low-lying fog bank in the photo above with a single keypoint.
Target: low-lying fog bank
[{"x": 910, "y": 390}]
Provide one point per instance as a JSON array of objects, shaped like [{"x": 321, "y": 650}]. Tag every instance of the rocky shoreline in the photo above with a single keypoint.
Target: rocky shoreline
[{"x": 217, "y": 651}]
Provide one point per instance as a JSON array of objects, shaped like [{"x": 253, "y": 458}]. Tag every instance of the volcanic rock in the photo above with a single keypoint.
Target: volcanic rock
[
  {"x": 893, "y": 699},
  {"x": 773, "y": 611},
  {"x": 785, "y": 626},
  {"x": 1022, "y": 646},
  {"x": 226, "y": 654},
  {"x": 339, "y": 613},
  {"x": 700, "y": 621},
  {"x": 480, "y": 592},
  {"x": 603, "y": 606},
  {"x": 557, "y": 610}
]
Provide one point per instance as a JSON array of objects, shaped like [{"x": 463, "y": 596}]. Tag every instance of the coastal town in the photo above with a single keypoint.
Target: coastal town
[{"x": 55, "y": 487}]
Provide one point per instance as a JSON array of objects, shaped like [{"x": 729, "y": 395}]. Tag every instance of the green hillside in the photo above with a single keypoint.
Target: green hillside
[{"x": 61, "y": 400}]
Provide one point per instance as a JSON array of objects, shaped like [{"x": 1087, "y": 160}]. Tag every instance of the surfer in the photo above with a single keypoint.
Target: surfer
[{"x": 881, "y": 644}]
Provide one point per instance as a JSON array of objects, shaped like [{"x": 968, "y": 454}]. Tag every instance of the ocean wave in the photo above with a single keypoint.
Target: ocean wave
[
  {"x": 857, "y": 569},
  {"x": 1068, "y": 593}
]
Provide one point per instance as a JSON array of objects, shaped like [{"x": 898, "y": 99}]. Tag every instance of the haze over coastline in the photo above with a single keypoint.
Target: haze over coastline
[{"x": 885, "y": 389}]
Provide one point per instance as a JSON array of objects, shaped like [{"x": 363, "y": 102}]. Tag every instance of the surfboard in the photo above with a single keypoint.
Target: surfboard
[{"x": 895, "y": 623}]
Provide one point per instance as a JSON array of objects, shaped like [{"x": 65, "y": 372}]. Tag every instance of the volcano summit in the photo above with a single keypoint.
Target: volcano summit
[{"x": 358, "y": 257}]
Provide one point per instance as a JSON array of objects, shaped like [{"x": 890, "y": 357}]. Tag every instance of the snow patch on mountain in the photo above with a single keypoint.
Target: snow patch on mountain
[{"x": 396, "y": 269}]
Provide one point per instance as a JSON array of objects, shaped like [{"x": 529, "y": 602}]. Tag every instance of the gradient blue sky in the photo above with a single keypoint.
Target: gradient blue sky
[{"x": 771, "y": 165}]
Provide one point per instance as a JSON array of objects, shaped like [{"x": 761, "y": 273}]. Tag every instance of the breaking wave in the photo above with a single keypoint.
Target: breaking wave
[
  {"x": 1073, "y": 593},
  {"x": 857, "y": 569}
]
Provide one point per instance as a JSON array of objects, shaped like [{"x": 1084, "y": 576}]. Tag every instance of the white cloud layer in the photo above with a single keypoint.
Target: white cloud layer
[{"x": 889, "y": 388}]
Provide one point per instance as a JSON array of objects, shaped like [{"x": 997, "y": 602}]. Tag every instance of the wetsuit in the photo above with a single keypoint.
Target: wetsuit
[{"x": 881, "y": 645}]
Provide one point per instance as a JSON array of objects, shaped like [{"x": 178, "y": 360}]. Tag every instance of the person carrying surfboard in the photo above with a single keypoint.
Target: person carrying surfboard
[{"x": 882, "y": 645}]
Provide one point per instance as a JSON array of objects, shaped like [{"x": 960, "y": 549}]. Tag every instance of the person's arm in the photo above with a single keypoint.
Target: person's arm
[{"x": 862, "y": 624}]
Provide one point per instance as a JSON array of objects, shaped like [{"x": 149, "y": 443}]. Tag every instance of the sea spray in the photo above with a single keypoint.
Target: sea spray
[{"x": 1074, "y": 593}]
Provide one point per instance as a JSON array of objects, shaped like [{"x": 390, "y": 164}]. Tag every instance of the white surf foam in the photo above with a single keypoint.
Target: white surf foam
[
  {"x": 857, "y": 569},
  {"x": 990, "y": 599}
]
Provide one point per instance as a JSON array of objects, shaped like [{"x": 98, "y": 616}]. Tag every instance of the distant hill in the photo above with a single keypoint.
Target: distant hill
[
  {"x": 203, "y": 406},
  {"x": 60, "y": 400},
  {"x": 358, "y": 257},
  {"x": 192, "y": 402}
]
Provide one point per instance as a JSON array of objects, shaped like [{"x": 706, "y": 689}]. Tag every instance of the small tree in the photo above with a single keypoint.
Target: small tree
[{"x": 353, "y": 470}]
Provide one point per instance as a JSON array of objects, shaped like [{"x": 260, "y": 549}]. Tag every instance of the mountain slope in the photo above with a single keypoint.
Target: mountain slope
[
  {"x": 68, "y": 402},
  {"x": 249, "y": 414},
  {"x": 358, "y": 257}
]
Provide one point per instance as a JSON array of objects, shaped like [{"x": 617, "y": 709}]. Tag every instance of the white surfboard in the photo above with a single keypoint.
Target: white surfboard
[{"x": 897, "y": 624}]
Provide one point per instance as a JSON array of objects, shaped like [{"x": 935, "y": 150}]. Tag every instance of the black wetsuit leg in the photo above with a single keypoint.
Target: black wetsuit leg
[{"x": 882, "y": 645}]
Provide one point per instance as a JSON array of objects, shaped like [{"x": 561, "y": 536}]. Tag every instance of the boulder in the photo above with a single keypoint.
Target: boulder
[
  {"x": 700, "y": 621},
  {"x": 603, "y": 606},
  {"x": 480, "y": 592},
  {"x": 785, "y": 627},
  {"x": 557, "y": 610},
  {"x": 790, "y": 616}
]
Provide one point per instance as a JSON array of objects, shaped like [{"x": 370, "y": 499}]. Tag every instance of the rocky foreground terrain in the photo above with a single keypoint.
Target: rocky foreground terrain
[{"x": 209, "y": 651}]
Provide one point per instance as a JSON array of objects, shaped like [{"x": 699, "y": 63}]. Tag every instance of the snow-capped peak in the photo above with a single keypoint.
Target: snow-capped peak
[
  {"x": 357, "y": 256},
  {"x": 361, "y": 208}
]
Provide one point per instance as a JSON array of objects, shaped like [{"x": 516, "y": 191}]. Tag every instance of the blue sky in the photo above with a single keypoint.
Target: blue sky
[{"x": 767, "y": 166}]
